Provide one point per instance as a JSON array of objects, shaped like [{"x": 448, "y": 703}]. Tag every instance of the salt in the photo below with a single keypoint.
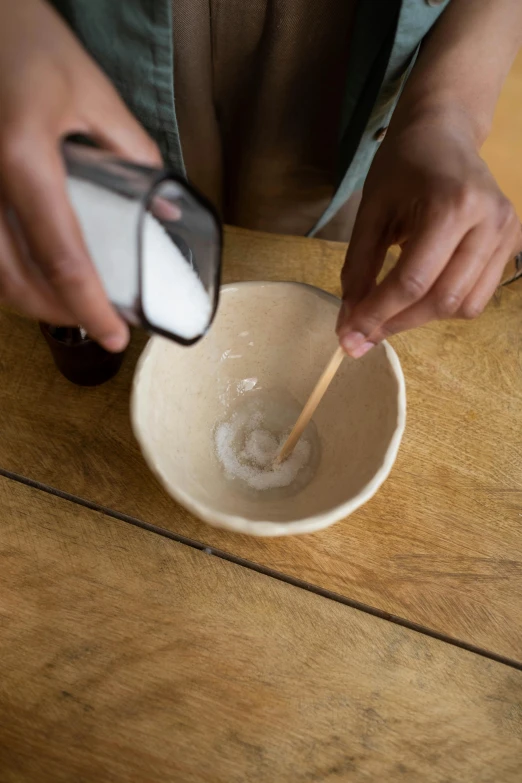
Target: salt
[
  {"x": 172, "y": 291},
  {"x": 249, "y": 440},
  {"x": 173, "y": 297}
]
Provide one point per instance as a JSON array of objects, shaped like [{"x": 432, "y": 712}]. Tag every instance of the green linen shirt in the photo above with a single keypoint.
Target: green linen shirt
[{"x": 132, "y": 41}]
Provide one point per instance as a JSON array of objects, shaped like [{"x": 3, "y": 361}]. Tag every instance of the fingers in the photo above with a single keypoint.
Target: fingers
[
  {"x": 448, "y": 286},
  {"x": 434, "y": 279},
  {"x": 364, "y": 258},
  {"x": 164, "y": 210},
  {"x": 34, "y": 185},
  {"x": 474, "y": 304},
  {"x": 22, "y": 289},
  {"x": 422, "y": 261},
  {"x": 468, "y": 300},
  {"x": 51, "y": 88}
]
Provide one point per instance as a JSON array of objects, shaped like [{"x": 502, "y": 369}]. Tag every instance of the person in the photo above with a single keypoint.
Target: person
[{"x": 279, "y": 111}]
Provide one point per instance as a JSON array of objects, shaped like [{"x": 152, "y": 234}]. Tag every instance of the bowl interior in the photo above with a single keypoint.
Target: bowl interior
[{"x": 267, "y": 338}]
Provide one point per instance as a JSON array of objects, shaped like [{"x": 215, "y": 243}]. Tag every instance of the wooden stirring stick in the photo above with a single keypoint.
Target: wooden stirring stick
[{"x": 311, "y": 404}]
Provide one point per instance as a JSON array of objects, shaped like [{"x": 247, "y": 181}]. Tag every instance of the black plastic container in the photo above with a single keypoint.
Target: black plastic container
[{"x": 79, "y": 359}]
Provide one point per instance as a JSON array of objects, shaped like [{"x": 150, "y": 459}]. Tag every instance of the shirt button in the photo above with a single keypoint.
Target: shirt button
[{"x": 380, "y": 134}]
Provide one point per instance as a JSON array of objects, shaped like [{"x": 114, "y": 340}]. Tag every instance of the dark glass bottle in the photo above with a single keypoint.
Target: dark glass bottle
[{"x": 81, "y": 360}]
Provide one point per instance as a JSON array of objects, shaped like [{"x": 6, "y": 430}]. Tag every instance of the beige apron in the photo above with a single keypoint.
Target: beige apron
[{"x": 259, "y": 85}]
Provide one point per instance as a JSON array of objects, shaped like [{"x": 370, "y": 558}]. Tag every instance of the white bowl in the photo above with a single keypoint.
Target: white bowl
[{"x": 268, "y": 336}]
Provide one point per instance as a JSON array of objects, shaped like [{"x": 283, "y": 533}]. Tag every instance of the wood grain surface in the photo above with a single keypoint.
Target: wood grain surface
[
  {"x": 125, "y": 656},
  {"x": 440, "y": 544}
]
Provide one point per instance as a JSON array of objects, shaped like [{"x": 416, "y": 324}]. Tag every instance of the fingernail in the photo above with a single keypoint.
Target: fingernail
[
  {"x": 358, "y": 353},
  {"x": 115, "y": 343},
  {"x": 352, "y": 340}
]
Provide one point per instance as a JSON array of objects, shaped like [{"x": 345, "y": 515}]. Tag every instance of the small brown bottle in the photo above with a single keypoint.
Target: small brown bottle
[{"x": 80, "y": 359}]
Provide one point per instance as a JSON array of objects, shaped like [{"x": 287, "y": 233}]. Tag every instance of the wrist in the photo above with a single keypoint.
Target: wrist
[{"x": 440, "y": 109}]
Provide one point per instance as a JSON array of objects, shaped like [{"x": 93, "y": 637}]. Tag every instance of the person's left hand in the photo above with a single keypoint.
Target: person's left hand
[{"x": 429, "y": 191}]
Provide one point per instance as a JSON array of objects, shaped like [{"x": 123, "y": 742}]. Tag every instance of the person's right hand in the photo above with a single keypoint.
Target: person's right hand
[{"x": 49, "y": 88}]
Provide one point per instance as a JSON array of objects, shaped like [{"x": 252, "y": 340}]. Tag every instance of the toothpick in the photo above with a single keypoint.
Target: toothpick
[{"x": 311, "y": 405}]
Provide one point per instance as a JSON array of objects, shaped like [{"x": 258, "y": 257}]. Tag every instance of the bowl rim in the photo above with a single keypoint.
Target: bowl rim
[{"x": 268, "y": 528}]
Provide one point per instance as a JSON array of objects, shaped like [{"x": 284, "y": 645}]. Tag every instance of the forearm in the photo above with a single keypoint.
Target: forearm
[{"x": 462, "y": 66}]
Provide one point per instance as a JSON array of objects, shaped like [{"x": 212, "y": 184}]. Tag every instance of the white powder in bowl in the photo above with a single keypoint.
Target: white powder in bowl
[
  {"x": 174, "y": 298},
  {"x": 248, "y": 442}
]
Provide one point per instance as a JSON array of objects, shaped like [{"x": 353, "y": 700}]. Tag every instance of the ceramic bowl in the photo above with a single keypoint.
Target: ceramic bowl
[{"x": 268, "y": 336}]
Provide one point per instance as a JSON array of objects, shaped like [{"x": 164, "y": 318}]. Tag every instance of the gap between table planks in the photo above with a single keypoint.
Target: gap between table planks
[{"x": 126, "y": 657}]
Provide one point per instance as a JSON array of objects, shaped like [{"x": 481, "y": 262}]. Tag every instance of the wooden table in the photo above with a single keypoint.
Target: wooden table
[
  {"x": 440, "y": 546},
  {"x": 138, "y": 644},
  {"x": 127, "y": 654}
]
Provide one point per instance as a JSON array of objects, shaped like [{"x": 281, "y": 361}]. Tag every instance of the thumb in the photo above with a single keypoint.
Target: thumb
[{"x": 364, "y": 259}]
